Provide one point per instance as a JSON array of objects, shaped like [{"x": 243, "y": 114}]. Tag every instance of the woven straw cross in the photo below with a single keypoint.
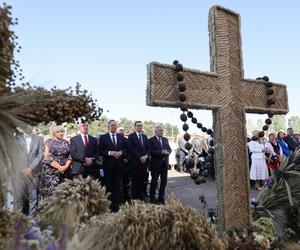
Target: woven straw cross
[{"x": 224, "y": 91}]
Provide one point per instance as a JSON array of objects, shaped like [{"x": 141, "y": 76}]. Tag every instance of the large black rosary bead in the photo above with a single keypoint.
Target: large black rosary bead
[
  {"x": 268, "y": 121},
  {"x": 185, "y": 127},
  {"x": 269, "y": 84},
  {"x": 271, "y": 101},
  {"x": 190, "y": 114},
  {"x": 183, "y": 117},
  {"x": 261, "y": 134},
  {"x": 179, "y": 76},
  {"x": 178, "y": 67},
  {"x": 199, "y": 125},
  {"x": 265, "y": 78},
  {"x": 182, "y": 97},
  {"x": 194, "y": 120},
  {"x": 183, "y": 107},
  {"x": 186, "y": 137},
  {"x": 265, "y": 128},
  {"x": 209, "y": 132},
  {"x": 204, "y": 129},
  {"x": 270, "y": 91},
  {"x": 181, "y": 87}
]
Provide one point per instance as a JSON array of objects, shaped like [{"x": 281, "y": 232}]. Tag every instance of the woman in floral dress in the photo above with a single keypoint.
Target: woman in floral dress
[{"x": 56, "y": 163}]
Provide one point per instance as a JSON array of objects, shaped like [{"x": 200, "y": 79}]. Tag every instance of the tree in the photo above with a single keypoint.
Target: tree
[
  {"x": 278, "y": 123},
  {"x": 171, "y": 130},
  {"x": 149, "y": 127},
  {"x": 126, "y": 124},
  {"x": 294, "y": 122},
  {"x": 99, "y": 126}
]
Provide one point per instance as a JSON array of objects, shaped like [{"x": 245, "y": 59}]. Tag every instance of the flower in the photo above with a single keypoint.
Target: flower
[
  {"x": 253, "y": 203},
  {"x": 268, "y": 182}
]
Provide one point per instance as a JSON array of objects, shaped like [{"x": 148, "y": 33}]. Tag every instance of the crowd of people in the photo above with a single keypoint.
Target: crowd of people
[
  {"x": 119, "y": 161},
  {"x": 123, "y": 161},
  {"x": 265, "y": 154}
]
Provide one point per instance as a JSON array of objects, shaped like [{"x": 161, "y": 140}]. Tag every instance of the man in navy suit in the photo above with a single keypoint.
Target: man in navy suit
[
  {"x": 113, "y": 147},
  {"x": 139, "y": 154},
  {"x": 84, "y": 152},
  {"x": 159, "y": 162}
]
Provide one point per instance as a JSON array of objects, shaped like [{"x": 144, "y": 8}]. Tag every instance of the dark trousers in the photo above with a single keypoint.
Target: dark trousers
[
  {"x": 156, "y": 172},
  {"x": 139, "y": 171},
  {"x": 146, "y": 182},
  {"x": 113, "y": 186},
  {"x": 125, "y": 183},
  {"x": 26, "y": 199}
]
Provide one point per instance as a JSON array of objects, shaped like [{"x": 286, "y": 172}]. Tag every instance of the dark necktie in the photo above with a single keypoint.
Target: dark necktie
[
  {"x": 86, "y": 143},
  {"x": 114, "y": 140},
  {"x": 160, "y": 141},
  {"x": 141, "y": 139}
]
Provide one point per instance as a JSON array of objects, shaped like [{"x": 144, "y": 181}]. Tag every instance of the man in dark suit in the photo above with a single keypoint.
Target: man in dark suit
[
  {"x": 126, "y": 174},
  {"x": 139, "y": 154},
  {"x": 32, "y": 147},
  {"x": 291, "y": 140},
  {"x": 159, "y": 162},
  {"x": 113, "y": 147},
  {"x": 84, "y": 152}
]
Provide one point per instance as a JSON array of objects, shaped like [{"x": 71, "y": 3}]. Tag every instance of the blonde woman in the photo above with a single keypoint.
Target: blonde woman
[{"x": 56, "y": 163}]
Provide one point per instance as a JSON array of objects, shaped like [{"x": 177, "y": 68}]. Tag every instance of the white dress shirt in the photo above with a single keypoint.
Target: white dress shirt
[
  {"x": 82, "y": 137},
  {"x": 111, "y": 137}
]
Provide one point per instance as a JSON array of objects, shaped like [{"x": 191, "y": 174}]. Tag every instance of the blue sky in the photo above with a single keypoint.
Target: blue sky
[{"x": 106, "y": 45}]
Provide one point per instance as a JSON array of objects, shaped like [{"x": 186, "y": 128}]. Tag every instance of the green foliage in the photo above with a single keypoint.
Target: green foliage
[
  {"x": 126, "y": 124},
  {"x": 278, "y": 123},
  {"x": 294, "y": 122},
  {"x": 100, "y": 126},
  {"x": 282, "y": 193},
  {"x": 264, "y": 231}
]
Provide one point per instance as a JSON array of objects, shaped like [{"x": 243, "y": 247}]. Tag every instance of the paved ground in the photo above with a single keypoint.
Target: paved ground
[{"x": 188, "y": 192}]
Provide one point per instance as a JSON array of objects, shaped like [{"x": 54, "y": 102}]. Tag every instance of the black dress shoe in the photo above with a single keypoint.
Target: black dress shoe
[
  {"x": 154, "y": 201},
  {"x": 161, "y": 201}
]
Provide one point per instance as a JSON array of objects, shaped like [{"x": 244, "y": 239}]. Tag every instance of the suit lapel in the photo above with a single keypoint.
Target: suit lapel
[
  {"x": 157, "y": 142},
  {"x": 33, "y": 138},
  {"x": 118, "y": 136},
  {"x": 80, "y": 142},
  {"x": 110, "y": 140}
]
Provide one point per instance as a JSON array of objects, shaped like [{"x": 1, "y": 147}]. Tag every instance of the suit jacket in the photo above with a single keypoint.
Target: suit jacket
[
  {"x": 79, "y": 153},
  {"x": 106, "y": 145},
  {"x": 136, "y": 150},
  {"x": 157, "y": 158},
  {"x": 291, "y": 142},
  {"x": 35, "y": 156}
]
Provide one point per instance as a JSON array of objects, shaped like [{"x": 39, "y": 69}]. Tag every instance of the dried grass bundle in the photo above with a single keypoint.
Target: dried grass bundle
[
  {"x": 147, "y": 226},
  {"x": 73, "y": 202}
]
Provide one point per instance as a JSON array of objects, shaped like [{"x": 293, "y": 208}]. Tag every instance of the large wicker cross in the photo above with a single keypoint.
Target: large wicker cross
[{"x": 224, "y": 91}]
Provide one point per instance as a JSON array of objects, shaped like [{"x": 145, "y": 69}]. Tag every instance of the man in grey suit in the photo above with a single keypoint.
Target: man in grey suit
[{"x": 33, "y": 153}]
